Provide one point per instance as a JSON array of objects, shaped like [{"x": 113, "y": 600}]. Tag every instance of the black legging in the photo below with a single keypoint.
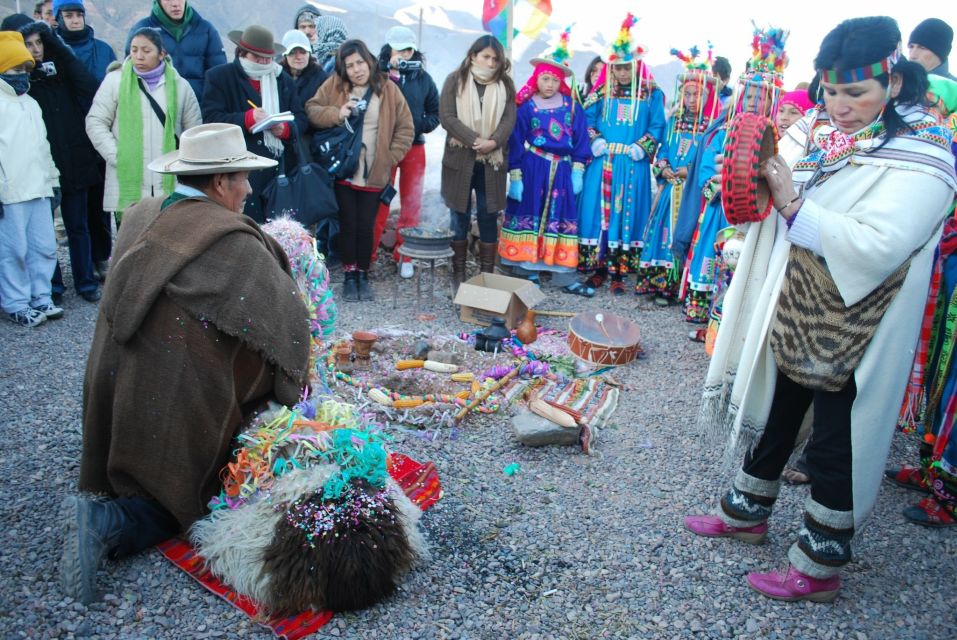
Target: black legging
[
  {"x": 357, "y": 214},
  {"x": 829, "y": 449}
]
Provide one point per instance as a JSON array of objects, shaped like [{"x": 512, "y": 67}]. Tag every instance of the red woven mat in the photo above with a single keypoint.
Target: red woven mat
[{"x": 419, "y": 481}]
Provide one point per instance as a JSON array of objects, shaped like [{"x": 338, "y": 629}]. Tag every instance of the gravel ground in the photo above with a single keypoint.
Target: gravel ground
[{"x": 571, "y": 547}]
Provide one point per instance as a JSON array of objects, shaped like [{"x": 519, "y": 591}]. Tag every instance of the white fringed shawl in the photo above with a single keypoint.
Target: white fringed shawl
[{"x": 875, "y": 213}]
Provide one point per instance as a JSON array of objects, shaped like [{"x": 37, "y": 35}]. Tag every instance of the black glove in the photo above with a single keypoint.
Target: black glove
[{"x": 57, "y": 198}]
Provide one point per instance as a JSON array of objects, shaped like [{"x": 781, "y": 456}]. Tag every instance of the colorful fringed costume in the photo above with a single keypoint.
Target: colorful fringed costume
[
  {"x": 930, "y": 407},
  {"x": 658, "y": 273},
  {"x": 549, "y": 143},
  {"x": 625, "y": 124},
  {"x": 698, "y": 281},
  {"x": 309, "y": 517},
  {"x": 701, "y": 214}
]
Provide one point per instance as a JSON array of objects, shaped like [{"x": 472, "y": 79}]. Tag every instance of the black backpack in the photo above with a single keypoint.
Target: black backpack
[{"x": 337, "y": 149}]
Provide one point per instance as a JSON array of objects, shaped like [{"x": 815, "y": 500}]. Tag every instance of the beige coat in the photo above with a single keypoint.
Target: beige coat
[
  {"x": 395, "y": 127},
  {"x": 102, "y": 126}
]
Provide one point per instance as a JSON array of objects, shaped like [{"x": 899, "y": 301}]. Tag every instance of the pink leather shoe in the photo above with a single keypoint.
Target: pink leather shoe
[
  {"x": 715, "y": 527},
  {"x": 794, "y": 585}
]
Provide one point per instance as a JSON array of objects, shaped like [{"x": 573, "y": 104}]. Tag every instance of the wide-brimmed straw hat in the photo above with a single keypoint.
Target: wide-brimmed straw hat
[
  {"x": 211, "y": 148},
  {"x": 258, "y": 40}
]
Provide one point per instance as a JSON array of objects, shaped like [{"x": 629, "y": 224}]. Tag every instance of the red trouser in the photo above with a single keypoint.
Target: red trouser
[{"x": 412, "y": 173}]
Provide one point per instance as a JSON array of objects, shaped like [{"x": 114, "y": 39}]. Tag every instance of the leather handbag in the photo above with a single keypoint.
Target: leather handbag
[{"x": 305, "y": 193}]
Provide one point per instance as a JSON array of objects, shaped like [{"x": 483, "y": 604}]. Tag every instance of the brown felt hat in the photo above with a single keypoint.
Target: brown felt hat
[{"x": 258, "y": 40}]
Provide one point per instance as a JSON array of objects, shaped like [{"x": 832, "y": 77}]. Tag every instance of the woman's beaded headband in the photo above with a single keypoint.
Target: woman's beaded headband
[{"x": 835, "y": 76}]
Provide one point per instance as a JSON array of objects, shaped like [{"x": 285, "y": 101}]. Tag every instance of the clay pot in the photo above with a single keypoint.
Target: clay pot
[
  {"x": 526, "y": 331},
  {"x": 363, "y": 341},
  {"x": 344, "y": 357}
]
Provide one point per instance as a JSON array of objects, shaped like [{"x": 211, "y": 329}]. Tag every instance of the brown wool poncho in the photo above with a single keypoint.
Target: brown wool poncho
[{"x": 199, "y": 323}]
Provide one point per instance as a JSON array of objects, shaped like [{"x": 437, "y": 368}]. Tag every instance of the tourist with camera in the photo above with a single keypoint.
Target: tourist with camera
[
  {"x": 405, "y": 64},
  {"x": 358, "y": 86}
]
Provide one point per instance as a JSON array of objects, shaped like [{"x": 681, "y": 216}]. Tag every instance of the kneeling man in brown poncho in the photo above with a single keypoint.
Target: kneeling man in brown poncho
[{"x": 200, "y": 324}]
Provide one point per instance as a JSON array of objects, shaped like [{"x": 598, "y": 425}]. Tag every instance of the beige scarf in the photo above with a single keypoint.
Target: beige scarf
[{"x": 482, "y": 115}]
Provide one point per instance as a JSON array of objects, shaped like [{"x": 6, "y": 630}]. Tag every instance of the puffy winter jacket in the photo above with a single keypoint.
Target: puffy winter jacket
[
  {"x": 420, "y": 92},
  {"x": 199, "y": 50},
  {"x": 103, "y": 127},
  {"x": 64, "y": 90},
  {"x": 95, "y": 54},
  {"x": 27, "y": 171}
]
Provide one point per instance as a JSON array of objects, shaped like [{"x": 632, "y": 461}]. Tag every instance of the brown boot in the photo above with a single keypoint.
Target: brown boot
[
  {"x": 461, "y": 249},
  {"x": 487, "y": 253}
]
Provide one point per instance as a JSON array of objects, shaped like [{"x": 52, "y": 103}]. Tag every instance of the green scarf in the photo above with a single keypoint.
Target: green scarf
[
  {"x": 129, "y": 143},
  {"x": 175, "y": 29}
]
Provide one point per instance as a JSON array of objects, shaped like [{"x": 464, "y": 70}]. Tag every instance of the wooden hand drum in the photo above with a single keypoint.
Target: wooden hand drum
[
  {"x": 603, "y": 338},
  {"x": 751, "y": 141}
]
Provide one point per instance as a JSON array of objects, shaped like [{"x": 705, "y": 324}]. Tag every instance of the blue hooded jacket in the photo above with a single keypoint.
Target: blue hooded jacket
[
  {"x": 199, "y": 50},
  {"x": 95, "y": 54}
]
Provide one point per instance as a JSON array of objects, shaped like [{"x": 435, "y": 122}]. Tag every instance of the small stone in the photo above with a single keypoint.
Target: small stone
[
  {"x": 535, "y": 431},
  {"x": 420, "y": 350}
]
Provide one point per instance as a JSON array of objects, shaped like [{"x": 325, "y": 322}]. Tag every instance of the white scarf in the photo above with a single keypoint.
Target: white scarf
[
  {"x": 268, "y": 77},
  {"x": 482, "y": 115}
]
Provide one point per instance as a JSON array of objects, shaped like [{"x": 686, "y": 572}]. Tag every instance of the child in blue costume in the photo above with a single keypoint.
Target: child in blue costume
[
  {"x": 757, "y": 91},
  {"x": 626, "y": 120},
  {"x": 547, "y": 152},
  {"x": 695, "y": 105}
]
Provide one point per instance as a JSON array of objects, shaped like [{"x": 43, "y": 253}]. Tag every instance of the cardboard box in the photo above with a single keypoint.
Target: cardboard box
[{"x": 489, "y": 295}]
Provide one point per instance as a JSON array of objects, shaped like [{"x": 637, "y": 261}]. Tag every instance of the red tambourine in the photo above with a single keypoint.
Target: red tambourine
[{"x": 752, "y": 140}]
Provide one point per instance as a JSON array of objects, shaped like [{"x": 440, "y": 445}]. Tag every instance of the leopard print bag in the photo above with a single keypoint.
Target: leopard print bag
[{"x": 816, "y": 339}]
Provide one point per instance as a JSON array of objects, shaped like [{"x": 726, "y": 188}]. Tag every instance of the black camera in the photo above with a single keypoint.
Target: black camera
[{"x": 408, "y": 65}]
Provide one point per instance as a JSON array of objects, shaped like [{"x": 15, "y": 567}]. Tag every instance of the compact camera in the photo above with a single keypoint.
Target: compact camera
[
  {"x": 359, "y": 106},
  {"x": 408, "y": 65},
  {"x": 48, "y": 68}
]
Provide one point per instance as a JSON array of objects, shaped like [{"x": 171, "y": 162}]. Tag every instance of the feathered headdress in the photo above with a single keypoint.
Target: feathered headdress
[
  {"x": 764, "y": 71},
  {"x": 697, "y": 71},
  {"x": 559, "y": 57},
  {"x": 556, "y": 60},
  {"x": 623, "y": 48},
  {"x": 768, "y": 57},
  {"x": 695, "y": 68}
]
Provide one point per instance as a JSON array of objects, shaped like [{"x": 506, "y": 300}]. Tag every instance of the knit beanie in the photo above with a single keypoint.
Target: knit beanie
[
  {"x": 13, "y": 52},
  {"x": 798, "y": 98},
  {"x": 934, "y": 34},
  {"x": 16, "y": 22}
]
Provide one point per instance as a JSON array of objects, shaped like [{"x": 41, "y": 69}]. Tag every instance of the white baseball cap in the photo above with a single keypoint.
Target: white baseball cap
[
  {"x": 295, "y": 39},
  {"x": 399, "y": 38}
]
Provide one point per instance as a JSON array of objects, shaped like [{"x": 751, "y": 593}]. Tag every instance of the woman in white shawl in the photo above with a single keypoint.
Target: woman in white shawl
[{"x": 825, "y": 307}]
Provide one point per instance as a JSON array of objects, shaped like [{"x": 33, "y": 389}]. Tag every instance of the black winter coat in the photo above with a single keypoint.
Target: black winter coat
[
  {"x": 420, "y": 92},
  {"x": 308, "y": 83},
  {"x": 64, "y": 98},
  {"x": 227, "y": 90}
]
